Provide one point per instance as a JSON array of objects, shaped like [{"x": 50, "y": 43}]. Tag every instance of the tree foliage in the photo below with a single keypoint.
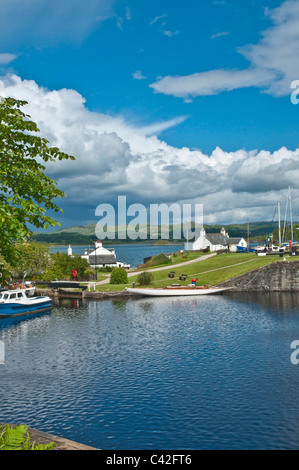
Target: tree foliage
[
  {"x": 26, "y": 192},
  {"x": 62, "y": 265},
  {"x": 119, "y": 276},
  {"x": 33, "y": 259}
]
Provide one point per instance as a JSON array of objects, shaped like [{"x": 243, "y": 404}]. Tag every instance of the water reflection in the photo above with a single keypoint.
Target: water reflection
[
  {"x": 14, "y": 321},
  {"x": 275, "y": 301},
  {"x": 161, "y": 373}
]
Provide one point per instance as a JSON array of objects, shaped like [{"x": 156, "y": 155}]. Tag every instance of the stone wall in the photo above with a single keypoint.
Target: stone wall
[{"x": 282, "y": 276}]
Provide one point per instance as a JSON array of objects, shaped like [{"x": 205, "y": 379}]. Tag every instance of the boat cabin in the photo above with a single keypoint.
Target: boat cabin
[{"x": 6, "y": 296}]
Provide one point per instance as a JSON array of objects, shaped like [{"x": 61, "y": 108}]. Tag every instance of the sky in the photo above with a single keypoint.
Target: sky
[{"x": 163, "y": 102}]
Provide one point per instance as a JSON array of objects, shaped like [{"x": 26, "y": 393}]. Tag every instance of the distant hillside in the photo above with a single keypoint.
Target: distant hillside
[{"x": 85, "y": 234}]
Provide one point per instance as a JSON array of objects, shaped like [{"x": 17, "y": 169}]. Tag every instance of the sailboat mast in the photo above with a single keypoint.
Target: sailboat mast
[
  {"x": 247, "y": 236},
  {"x": 285, "y": 221},
  {"x": 279, "y": 227},
  {"x": 291, "y": 211}
]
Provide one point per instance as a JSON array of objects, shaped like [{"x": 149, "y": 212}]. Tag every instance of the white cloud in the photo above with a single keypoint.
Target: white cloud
[
  {"x": 219, "y": 35},
  {"x": 128, "y": 13},
  {"x": 170, "y": 34},
  {"x": 138, "y": 75},
  {"x": 167, "y": 32},
  {"x": 7, "y": 58},
  {"x": 114, "y": 157},
  {"x": 210, "y": 83},
  {"x": 273, "y": 63},
  {"x": 158, "y": 18}
]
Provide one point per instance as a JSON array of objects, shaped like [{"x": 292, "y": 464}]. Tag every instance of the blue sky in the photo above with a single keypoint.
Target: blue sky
[{"x": 173, "y": 101}]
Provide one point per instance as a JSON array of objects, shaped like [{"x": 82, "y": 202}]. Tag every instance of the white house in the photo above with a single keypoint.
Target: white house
[
  {"x": 216, "y": 241},
  {"x": 100, "y": 257}
]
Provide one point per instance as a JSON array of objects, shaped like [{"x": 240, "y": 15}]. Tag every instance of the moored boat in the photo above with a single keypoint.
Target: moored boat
[
  {"x": 171, "y": 291},
  {"x": 16, "y": 303},
  {"x": 28, "y": 286}
]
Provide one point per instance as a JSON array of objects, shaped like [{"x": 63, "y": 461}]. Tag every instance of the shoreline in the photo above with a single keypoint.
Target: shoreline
[{"x": 86, "y": 295}]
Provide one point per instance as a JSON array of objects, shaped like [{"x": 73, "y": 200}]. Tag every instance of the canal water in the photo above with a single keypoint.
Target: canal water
[{"x": 208, "y": 373}]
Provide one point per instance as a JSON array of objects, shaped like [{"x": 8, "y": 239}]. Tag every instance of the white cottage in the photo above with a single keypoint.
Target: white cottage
[
  {"x": 100, "y": 257},
  {"x": 216, "y": 241}
]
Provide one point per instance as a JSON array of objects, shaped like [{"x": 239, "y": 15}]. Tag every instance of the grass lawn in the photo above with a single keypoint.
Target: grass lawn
[
  {"x": 209, "y": 272},
  {"x": 177, "y": 259}
]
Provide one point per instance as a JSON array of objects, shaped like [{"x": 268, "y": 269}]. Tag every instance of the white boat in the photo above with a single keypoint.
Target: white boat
[
  {"x": 171, "y": 291},
  {"x": 28, "y": 286},
  {"x": 16, "y": 303}
]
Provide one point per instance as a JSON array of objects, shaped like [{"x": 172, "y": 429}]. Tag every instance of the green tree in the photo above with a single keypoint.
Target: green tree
[
  {"x": 26, "y": 192},
  {"x": 34, "y": 259},
  {"x": 62, "y": 265},
  {"x": 5, "y": 271}
]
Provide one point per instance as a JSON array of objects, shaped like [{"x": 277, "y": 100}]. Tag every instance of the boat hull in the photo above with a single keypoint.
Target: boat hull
[
  {"x": 176, "y": 292},
  {"x": 16, "y": 309}
]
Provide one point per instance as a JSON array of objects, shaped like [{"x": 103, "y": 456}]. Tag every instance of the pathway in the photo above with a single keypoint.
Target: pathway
[{"x": 170, "y": 267}]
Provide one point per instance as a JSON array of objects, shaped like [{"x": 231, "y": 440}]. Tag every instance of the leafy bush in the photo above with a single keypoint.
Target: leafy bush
[
  {"x": 106, "y": 269},
  {"x": 18, "y": 439},
  {"x": 119, "y": 276},
  {"x": 145, "y": 279}
]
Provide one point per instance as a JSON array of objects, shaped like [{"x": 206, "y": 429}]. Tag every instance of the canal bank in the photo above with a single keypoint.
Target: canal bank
[
  {"x": 281, "y": 276},
  {"x": 44, "y": 438},
  {"x": 56, "y": 294}
]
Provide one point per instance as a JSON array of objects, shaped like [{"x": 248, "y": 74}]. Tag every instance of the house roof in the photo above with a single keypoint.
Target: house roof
[
  {"x": 235, "y": 240},
  {"x": 102, "y": 259},
  {"x": 217, "y": 239}
]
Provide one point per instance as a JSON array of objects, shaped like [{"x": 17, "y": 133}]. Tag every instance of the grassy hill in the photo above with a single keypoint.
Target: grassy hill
[{"x": 85, "y": 234}]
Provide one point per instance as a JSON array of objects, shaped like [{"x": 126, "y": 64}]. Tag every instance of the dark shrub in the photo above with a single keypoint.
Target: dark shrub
[{"x": 145, "y": 279}]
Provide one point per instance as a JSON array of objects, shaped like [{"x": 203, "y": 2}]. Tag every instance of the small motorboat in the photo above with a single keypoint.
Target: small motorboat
[
  {"x": 16, "y": 303},
  {"x": 171, "y": 291},
  {"x": 28, "y": 286}
]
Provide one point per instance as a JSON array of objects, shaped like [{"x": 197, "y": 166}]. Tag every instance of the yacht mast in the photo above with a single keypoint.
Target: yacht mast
[
  {"x": 279, "y": 227},
  {"x": 291, "y": 212}
]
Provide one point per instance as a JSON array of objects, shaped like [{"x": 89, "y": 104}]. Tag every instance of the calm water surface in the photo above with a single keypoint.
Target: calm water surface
[
  {"x": 130, "y": 254},
  {"x": 206, "y": 373}
]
